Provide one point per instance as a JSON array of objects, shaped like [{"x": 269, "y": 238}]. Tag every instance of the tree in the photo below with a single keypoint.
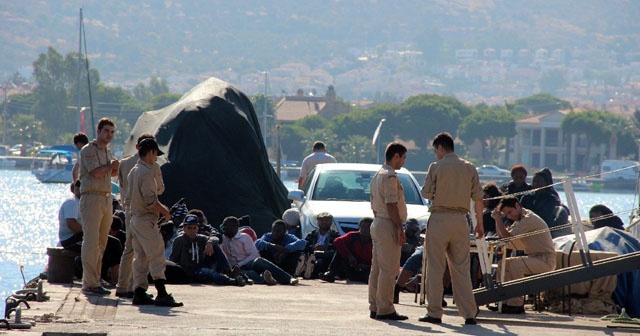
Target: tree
[
  {"x": 491, "y": 126},
  {"x": 25, "y": 128},
  {"x": 590, "y": 124},
  {"x": 162, "y": 100}
]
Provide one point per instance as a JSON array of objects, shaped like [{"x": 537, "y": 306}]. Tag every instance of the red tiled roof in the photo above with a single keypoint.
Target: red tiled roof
[{"x": 293, "y": 108}]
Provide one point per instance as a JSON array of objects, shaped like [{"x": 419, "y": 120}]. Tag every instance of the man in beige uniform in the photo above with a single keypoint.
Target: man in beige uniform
[
  {"x": 124, "y": 288},
  {"x": 147, "y": 242},
  {"x": 451, "y": 184},
  {"x": 97, "y": 165},
  {"x": 541, "y": 254},
  {"x": 390, "y": 211}
]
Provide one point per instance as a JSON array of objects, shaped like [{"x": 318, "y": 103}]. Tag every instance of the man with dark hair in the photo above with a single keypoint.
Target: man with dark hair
[
  {"x": 518, "y": 181},
  {"x": 123, "y": 288},
  {"x": 241, "y": 251},
  {"x": 451, "y": 184},
  {"x": 352, "y": 259},
  {"x": 147, "y": 242},
  {"x": 79, "y": 140},
  {"x": 390, "y": 211},
  {"x": 601, "y": 216},
  {"x": 540, "y": 252},
  {"x": 489, "y": 202},
  {"x": 97, "y": 166},
  {"x": 319, "y": 155},
  {"x": 281, "y": 248}
]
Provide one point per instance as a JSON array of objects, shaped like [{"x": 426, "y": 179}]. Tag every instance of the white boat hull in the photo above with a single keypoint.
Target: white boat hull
[{"x": 59, "y": 175}]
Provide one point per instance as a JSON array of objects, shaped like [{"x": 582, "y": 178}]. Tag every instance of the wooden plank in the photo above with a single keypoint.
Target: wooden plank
[{"x": 558, "y": 278}]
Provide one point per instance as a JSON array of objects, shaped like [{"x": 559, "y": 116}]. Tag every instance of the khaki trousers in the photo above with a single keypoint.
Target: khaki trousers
[
  {"x": 96, "y": 216},
  {"x": 126, "y": 262},
  {"x": 148, "y": 250},
  {"x": 518, "y": 267},
  {"x": 385, "y": 266},
  {"x": 447, "y": 240}
]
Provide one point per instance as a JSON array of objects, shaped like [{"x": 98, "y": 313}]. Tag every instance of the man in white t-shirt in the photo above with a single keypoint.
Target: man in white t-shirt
[
  {"x": 70, "y": 229},
  {"x": 319, "y": 155}
]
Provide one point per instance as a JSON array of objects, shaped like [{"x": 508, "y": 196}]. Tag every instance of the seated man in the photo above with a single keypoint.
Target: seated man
[
  {"x": 241, "y": 251},
  {"x": 201, "y": 257},
  {"x": 546, "y": 203},
  {"x": 541, "y": 255},
  {"x": 281, "y": 248},
  {"x": 291, "y": 217},
  {"x": 412, "y": 232},
  {"x": 601, "y": 216},
  {"x": 352, "y": 259},
  {"x": 319, "y": 247}
]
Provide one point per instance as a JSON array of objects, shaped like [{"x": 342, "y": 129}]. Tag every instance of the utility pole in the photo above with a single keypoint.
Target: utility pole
[
  {"x": 79, "y": 127},
  {"x": 376, "y": 135}
]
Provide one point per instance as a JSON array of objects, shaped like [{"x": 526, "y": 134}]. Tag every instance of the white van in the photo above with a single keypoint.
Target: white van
[{"x": 615, "y": 170}]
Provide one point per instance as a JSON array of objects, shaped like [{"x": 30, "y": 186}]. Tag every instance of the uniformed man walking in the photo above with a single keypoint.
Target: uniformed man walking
[
  {"x": 390, "y": 211},
  {"x": 147, "y": 242},
  {"x": 451, "y": 184},
  {"x": 97, "y": 166}
]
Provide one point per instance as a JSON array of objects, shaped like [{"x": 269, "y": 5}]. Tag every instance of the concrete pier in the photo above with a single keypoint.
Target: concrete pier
[{"x": 310, "y": 308}]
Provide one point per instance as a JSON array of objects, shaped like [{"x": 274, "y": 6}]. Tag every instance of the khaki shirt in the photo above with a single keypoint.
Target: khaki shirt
[
  {"x": 92, "y": 157},
  {"x": 451, "y": 184},
  {"x": 125, "y": 168},
  {"x": 386, "y": 188},
  {"x": 540, "y": 243},
  {"x": 142, "y": 191}
]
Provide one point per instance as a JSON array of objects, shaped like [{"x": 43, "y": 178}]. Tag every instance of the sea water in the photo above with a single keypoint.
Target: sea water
[{"x": 29, "y": 223}]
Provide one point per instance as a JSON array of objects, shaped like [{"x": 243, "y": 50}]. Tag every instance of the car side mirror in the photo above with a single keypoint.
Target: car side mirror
[{"x": 296, "y": 195}]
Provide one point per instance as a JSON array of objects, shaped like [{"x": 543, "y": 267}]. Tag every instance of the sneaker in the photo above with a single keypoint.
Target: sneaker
[
  {"x": 293, "y": 281},
  {"x": 248, "y": 280},
  {"x": 308, "y": 269},
  {"x": 300, "y": 266},
  {"x": 328, "y": 277},
  {"x": 235, "y": 272},
  {"x": 167, "y": 301},
  {"x": 96, "y": 291},
  {"x": 268, "y": 278},
  {"x": 142, "y": 300}
]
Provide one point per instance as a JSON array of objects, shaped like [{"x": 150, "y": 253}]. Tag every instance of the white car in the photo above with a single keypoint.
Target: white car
[
  {"x": 342, "y": 189},
  {"x": 491, "y": 170}
]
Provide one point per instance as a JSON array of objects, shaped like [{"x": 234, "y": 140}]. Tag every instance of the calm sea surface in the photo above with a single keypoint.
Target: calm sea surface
[{"x": 29, "y": 223}]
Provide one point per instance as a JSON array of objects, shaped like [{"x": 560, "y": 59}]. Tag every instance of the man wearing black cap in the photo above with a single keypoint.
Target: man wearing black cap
[
  {"x": 124, "y": 276},
  {"x": 148, "y": 245}
]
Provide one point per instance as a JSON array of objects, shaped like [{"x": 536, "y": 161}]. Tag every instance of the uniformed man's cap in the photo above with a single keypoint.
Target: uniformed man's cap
[{"x": 150, "y": 144}]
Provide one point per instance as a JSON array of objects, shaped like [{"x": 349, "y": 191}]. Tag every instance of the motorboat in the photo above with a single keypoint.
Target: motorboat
[{"x": 58, "y": 169}]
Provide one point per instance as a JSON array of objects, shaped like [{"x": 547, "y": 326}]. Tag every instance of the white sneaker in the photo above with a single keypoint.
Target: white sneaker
[
  {"x": 308, "y": 269},
  {"x": 300, "y": 266}
]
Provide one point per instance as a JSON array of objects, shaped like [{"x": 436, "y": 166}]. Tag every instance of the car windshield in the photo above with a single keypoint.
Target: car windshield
[{"x": 345, "y": 185}]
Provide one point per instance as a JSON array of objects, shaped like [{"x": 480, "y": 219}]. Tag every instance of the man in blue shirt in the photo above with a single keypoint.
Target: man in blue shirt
[{"x": 281, "y": 248}]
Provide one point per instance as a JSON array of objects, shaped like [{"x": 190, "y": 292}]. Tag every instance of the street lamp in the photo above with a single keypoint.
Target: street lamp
[{"x": 376, "y": 134}]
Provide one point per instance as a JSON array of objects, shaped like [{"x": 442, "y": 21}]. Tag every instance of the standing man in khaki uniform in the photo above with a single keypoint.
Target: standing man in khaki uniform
[
  {"x": 147, "y": 242},
  {"x": 124, "y": 288},
  {"x": 451, "y": 184},
  {"x": 97, "y": 165},
  {"x": 541, "y": 254},
  {"x": 390, "y": 211}
]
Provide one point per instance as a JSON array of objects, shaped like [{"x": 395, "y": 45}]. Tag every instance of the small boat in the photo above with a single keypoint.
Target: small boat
[
  {"x": 59, "y": 167},
  {"x": 6, "y": 163}
]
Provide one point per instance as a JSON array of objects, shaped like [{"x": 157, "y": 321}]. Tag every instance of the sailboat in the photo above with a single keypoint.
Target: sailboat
[{"x": 62, "y": 158}]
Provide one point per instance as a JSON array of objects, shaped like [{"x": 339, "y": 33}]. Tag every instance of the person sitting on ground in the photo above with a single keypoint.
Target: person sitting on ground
[
  {"x": 319, "y": 248},
  {"x": 409, "y": 277},
  {"x": 412, "y": 232},
  {"x": 541, "y": 254},
  {"x": 201, "y": 257},
  {"x": 241, "y": 251},
  {"x": 490, "y": 191},
  {"x": 518, "y": 181},
  {"x": 601, "y": 216},
  {"x": 205, "y": 228},
  {"x": 545, "y": 202},
  {"x": 352, "y": 259},
  {"x": 281, "y": 248},
  {"x": 291, "y": 217},
  {"x": 116, "y": 230}
]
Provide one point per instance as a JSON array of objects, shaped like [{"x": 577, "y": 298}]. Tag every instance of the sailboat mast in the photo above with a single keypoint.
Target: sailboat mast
[{"x": 79, "y": 126}]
